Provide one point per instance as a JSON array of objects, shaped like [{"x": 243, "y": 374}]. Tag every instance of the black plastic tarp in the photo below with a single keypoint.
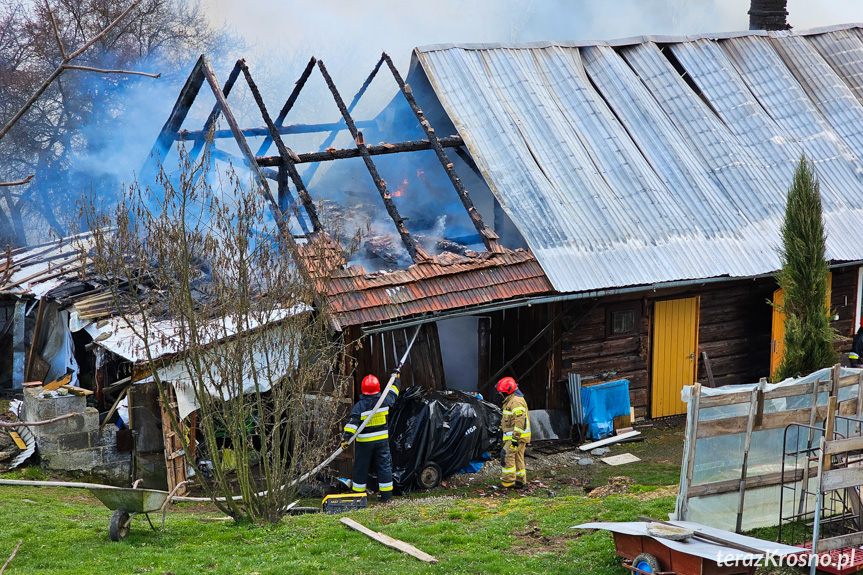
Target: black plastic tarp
[{"x": 449, "y": 428}]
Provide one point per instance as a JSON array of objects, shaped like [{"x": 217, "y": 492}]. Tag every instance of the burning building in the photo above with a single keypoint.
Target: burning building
[{"x": 607, "y": 210}]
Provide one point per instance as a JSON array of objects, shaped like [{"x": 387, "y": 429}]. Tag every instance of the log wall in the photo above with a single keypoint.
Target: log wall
[{"x": 734, "y": 329}]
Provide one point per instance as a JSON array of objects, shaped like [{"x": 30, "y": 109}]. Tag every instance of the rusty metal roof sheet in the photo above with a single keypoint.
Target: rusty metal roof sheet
[{"x": 653, "y": 160}]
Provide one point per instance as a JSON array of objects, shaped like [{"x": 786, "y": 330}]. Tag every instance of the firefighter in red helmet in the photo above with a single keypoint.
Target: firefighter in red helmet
[
  {"x": 516, "y": 434},
  {"x": 372, "y": 444}
]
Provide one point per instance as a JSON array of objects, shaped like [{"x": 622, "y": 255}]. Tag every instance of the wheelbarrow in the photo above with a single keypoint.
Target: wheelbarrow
[{"x": 128, "y": 502}]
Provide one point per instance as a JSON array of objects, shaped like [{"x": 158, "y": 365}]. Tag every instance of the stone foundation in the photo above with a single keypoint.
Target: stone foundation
[{"x": 76, "y": 443}]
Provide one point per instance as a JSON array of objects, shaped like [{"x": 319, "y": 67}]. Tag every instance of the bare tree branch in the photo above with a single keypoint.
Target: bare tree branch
[
  {"x": 54, "y": 75},
  {"x": 56, "y": 32},
  {"x": 101, "y": 71},
  {"x": 19, "y": 182},
  {"x": 11, "y": 557}
]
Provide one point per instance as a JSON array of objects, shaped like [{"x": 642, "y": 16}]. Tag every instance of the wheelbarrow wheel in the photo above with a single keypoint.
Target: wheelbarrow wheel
[
  {"x": 119, "y": 526},
  {"x": 647, "y": 563},
  {"x": 430, "y": 475}
]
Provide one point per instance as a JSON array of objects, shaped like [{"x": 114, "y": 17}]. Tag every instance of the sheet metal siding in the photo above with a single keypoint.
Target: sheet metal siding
[{"x": 617, "y": 171}]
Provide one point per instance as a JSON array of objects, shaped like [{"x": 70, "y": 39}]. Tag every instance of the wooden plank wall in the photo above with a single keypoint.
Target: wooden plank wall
[
  {"x": 536, "y": 370},
  {"x": 843, "y": 301},
  {"x": 734, "y": 330},
  {"x": 586, "y": 350},
  {"x": 379, "y": 354}
]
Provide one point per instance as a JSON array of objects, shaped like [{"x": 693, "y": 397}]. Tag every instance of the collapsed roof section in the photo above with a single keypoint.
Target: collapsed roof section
[
  {"x": 653, "y": 160},
  {"x": 443, "y": 282},
  {"x": 433, "y": 284}
]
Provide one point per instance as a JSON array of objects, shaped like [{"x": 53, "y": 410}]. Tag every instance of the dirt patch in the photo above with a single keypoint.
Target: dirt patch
[
  {"x": 670, "y": 490},
  {"x": 615, "y": 486},
  {"x": 532, "y": 542}
]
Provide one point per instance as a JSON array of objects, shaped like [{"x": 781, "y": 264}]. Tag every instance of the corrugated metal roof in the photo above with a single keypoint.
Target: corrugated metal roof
[
  {"x": 661, "y": 159},
  {"x": 36, "y": 271}
]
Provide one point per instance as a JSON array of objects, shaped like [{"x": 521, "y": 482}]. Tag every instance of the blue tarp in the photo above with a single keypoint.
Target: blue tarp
[{"x": 602, "y": 403}]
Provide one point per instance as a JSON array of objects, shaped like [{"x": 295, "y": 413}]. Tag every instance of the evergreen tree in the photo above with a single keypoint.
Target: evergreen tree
[{"x": 808, "y": 334}]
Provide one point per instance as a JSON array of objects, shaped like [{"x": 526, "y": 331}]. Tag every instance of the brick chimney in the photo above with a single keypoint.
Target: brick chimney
[{"x": 768, "y": 15}]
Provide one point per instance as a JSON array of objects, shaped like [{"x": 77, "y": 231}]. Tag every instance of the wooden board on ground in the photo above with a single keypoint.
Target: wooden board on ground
[
  {"x": 389, "y": 541},
  {"x": 621, "y": 459},
  {"x": 609, "y": 440}
]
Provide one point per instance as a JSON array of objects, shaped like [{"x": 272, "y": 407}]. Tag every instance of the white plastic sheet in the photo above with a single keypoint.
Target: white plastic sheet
[{"x": 720, "y": 458}]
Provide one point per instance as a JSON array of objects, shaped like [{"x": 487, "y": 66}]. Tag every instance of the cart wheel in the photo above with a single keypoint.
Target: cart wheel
[
  {"x": 647, "y": 563},
  {"x": 119, "y": 526},
  {"x": 429, "y": 476}
]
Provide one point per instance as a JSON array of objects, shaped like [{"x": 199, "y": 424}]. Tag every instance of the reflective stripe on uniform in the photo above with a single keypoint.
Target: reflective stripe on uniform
[
  {"x": 508, "y": 470},
  {"x": 365, "y": 414},
  {"x": 522, "y": 472},
  {"x": 853, "y": 356},
  {"x": 375, "y": 436},
  {"x": 507, "y": 412},
  {"x": 517, "y": 410},
  {"x": 358, "y": 487},
  {"x": 507, "y": 435},
  {"x": 385, "y": 486},
  {"x": 350, "y": 428},
  {"x": 520, "y": 430},
  {"x": 379, "y": 418}
]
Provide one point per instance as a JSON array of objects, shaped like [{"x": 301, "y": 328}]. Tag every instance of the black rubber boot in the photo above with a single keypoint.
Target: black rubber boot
[{"x": 519, "y": 484}]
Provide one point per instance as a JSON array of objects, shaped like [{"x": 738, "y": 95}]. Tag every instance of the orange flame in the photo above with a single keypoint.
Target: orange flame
[{"x": 401, "y": 189}]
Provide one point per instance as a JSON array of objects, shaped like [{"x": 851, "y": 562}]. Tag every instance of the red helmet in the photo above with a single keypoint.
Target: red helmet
[
  {"x": 371, "y": 385},
  {"x": 506, "y": 385}
]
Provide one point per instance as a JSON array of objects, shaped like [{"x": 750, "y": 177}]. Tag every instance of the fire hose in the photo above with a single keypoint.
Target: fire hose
[
  {"x": 326, "y": 462},
  {"x": 396, "y": 373}
]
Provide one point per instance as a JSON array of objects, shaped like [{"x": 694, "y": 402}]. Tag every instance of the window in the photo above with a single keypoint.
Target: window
[{"x": 622, "y": 319}]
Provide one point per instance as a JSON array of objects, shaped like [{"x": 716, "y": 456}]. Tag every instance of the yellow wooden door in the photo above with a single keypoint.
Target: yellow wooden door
[
  {"x": 675, "y": 344},
  {"x": 777, "y": 337}
]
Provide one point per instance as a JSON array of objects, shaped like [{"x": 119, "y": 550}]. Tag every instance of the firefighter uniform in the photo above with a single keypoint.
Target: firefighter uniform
[
  {"x": 516, "y": 431},
  {"x": 372, "y": 444},
  {"x": 857, "y": 349}
]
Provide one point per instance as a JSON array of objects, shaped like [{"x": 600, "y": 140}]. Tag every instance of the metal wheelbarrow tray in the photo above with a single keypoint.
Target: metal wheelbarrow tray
[{"x": 128, "y": 502}]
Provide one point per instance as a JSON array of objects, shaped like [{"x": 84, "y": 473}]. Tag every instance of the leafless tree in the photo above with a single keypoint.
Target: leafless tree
[
  {"x": 72, "y": 119},
  {"x": 194, "y": 265}
]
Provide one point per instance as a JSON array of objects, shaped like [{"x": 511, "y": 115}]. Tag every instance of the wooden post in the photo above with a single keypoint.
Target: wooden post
[
  {"x": 753, "y": 409},
  {"x": 829, "y": 425},
  {"x": 708, "y": 369},
  {"x": 813, "y": 412},
  {"x": 37, "y": 331},
  {"x": 483, "y": 340},
  {"x": 175, "y": 460},
  {"x": 692, "y": 434}
]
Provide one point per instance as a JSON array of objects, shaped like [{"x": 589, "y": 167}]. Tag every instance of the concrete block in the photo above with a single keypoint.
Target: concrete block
[
  {"x": 42, "y": 408},
  {"x": 110, "y": 455},
  {"x": 47, "y": 446},
  {"x": 106, "y": 437},
  {"x": 76, "y": 441},
  {"x": 83, "y": 459},
  {"x": 91, "y": 419},
  {"x": 116, "y": 473}
]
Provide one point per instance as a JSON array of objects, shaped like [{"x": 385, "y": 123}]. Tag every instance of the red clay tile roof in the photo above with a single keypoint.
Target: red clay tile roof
[{"x": 448, "y": 281}]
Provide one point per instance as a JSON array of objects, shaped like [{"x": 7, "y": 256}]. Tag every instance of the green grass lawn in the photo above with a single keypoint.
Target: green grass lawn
[{"x": 65, "y": 531}]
